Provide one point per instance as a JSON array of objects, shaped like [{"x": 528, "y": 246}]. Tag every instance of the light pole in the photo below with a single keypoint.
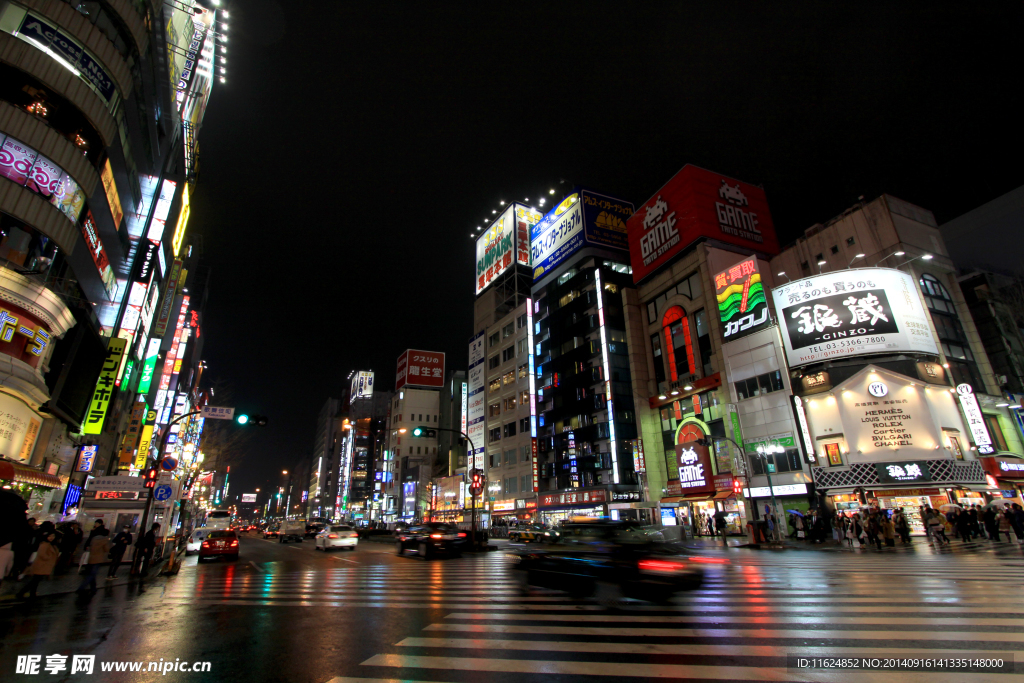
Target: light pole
[
  {"x": 288, "y": 494},
  {"x": 895, "y": 253},
  {"x": 762, "y": 451}
]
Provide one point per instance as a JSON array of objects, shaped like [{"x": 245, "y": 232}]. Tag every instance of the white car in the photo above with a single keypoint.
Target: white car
[
  {"x": 195, "y": 540},
  {"x": 336, "y": 536}
]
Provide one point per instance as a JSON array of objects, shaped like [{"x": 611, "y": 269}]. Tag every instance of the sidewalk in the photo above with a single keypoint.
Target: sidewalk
[{"x": 59, "y": 584}]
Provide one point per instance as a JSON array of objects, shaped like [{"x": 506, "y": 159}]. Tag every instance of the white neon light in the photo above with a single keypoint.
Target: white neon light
[{"x": 607, "y": 378}]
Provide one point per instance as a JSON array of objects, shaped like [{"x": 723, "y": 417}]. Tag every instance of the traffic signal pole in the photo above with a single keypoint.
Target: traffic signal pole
[{"x": 472, "y": 451}]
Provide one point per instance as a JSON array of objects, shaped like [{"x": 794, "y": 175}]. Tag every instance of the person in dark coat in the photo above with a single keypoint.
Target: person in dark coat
[
  {"x": 991, "y": 523},
  {"x": 95, "y": 531},
  {"x": 25, "y": 543},
  {"x": 1018, "y": 517},
  {"x": 120, "y": 544},
  {"x": 69, "y": 542},
  {"x": 963, "y": 525},
  {"x": 146, "y": 546}
]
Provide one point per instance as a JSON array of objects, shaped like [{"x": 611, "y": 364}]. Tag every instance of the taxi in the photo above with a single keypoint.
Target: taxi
[{"x": 536, "y": 533}]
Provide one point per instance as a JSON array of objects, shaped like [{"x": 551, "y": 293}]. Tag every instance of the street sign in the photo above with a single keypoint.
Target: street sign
[
  {"x": 218, "y": 412},
  {"x": 163, "y": 492},
  {"x": 168, "y": 463}
]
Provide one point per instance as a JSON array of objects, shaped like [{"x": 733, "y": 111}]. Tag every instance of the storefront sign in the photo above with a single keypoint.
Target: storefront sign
[
  {"x": 975, "y": 419},
  {"x": 783, "y": 490},
  {"x": 86, "y": 458},
  {"x": 104, "y": 387},
  {"x": 639, "y": 461},
  {"x": 694, "y": 461},
  {"x": 99, "y": 255},
  {"x": 902, "y": 472},
  {"x": 68, "y": 50},
  {"x": 582, "y": 219},
  {"x": 742, "y": 303},
  {"x": 805, "y": 431},
  {"x": 19, "y": 427},
  {"x": 505, "y": 506},
  {"x": 852, "y": 313},
  {"x": 116, "y": 484},
  {"x": 1003, "y": 468},
  {"x": 573, "y": 498},
  {"x": 819, "y": 381},
  {"x": 131, "y": 436},
  {"x": 933, "y": 373},
  {"x": 906, "y": 493}
]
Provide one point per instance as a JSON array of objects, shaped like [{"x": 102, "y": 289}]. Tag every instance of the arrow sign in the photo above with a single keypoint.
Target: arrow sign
[{"x": 163, "y": 492}]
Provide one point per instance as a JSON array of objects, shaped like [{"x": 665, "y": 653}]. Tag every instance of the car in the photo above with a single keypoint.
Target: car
[
  {"x": 219, "y": 543},
  {"x": 272, "y": 531},
  {"x": 610, "y": 560},
  {"x": 194, "y": 541},
  {"x": 314, "y": 528},
  {"x": 428, "y": 540},
  {"x": 336, "y": 536},
  {"x": 291, "y": 530},
  {"x": 537, "y": 533}
]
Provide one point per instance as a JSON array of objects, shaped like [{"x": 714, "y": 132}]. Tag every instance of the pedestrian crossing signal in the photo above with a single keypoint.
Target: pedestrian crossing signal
[
  {"x": 476, "y": 483},
  {"x": 151, "y": 475},
  {"x": 737, "y": 486}
]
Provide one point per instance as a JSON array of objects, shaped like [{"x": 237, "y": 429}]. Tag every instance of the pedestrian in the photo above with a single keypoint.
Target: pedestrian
[
  {"x": 96, "y": 526},
  {"x": 991, "y": 524},
  {"x": 974, "y": 521},
  {"x": 1017, "y": 513},
  {"x": 888, "y": 532},
  {"x": 798, "y": 527},
  {"x": 936, "y": 525},
  {"x": 99, "y": 549},
  {"x": 1005, "y": 524},
  {"x": 24, "y": 544},
  {"x": 875, "y": 530},
  {"x": 42, "y": 567},
  {"x": 71, "y": 537},
  {"x": 902, "y": 526},
  {"x": 146, "y": 546},
  {"x": 963, "y": 525},
  {"x": 119, "y": 546}
]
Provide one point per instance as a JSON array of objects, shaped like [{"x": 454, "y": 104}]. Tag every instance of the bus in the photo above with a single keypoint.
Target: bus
[{"x": 218, "y": 519}]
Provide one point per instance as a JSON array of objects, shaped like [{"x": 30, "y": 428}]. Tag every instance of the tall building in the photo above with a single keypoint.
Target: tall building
[
  {"x": 100, "y": 113},
  {"x": 323, "y": 472},
  {"x": 452, "y": 447}
]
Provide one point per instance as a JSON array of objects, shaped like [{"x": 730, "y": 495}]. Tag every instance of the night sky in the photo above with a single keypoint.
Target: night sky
[{"x": 356, "y": 145}]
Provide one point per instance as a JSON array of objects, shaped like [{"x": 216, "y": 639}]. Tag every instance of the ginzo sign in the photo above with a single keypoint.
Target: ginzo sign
[
  {"x": 694, "y": 461},
  {"x": 696, "y": 204}
]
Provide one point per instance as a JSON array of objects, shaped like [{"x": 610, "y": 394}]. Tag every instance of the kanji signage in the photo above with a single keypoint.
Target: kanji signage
[
  {"x": 742, "y": 303},
  {"x": 131, "y": 436},
  {"x": 902, "y": 472},
  {"x": 420, "y": 369},
  {"x": 100, "y": 400},
  {"x": 698, "y": 204},
  {"x": 573, "y": 498},
  {"x": 86, "y": 458},
  {"x": 975, "y": 419},
  {"x": 582, "y": 219},
  {"x": 218, "y": 412},
  {"x": 505, "y": 241},
  {"x": 145, "y": 440},
  {"x": 852, "y": 313},
  {"x": 639, "y": 462},
  {"x": 98, "y": 253}
]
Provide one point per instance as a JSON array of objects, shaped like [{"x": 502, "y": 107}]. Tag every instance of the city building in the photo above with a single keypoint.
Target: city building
[{"x": 323, "y": 477}]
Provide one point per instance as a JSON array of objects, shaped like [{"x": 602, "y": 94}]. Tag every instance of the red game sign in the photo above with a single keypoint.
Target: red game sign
[
  {"x": 420, "y": 369},
  {"x": 694, "y": 204}
]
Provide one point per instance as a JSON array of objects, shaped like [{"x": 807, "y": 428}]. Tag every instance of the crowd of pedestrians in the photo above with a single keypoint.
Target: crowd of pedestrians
[{"x": 874, "y": 526}]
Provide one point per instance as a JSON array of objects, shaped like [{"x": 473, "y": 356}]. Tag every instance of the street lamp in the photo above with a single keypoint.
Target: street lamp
[
  {"x": 762, "y": 451},
  {"x": 895, "y": 253},
  {"x": 923, "y": 257},
  {"x": 855, "y": 258}
]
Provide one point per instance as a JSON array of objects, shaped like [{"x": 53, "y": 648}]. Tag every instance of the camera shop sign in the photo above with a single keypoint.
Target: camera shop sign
[
  {"x": 695, "y": 474},
  {"x": 852, "y": 313}
]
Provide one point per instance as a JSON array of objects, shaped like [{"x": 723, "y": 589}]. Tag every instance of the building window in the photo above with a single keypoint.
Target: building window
[
  {"x": 508, "y": 330},
  {"x": 493, "y": 340},
  {"x": 850, "y": 241},
  {"x": 494, "y": 385},
  {"x": 494, "y": 410},
  {"x": 652, "y": 312},
  {"x": 493, "y": 362},
  {"x": 524, "y": 370},
  {"x": 523, "y": 347},
  {"x": 835, "y": 249},
  {"x": 952, "y": 340},
  {"x": 762, "y": 384},
  {"x": 508, "y": 354},
  {"x": 524, "y": 484},
  {"x": 675, "y": 329},
  {"x": 509, "y": 377},
  {"x": 494, "y": 435},
  {"x": 782, "y": 462},
  {"x": 524, "y": 398},
  {"x": 524, "y": 425},
  {"x": 509, "y": 429},
  {"x": 805, "y": 267},
  {"x": 510, "y": 456},
  {"x": 996, "y": 432},
  {"x": 659, "y": 362},
  {"x": 496, "y": 459},
  {"x": 509, "y": 403},
  {"x": 700, "y": 320},
  {"x": 510, "y": 485},
  {"x": 521, "y": 321}
]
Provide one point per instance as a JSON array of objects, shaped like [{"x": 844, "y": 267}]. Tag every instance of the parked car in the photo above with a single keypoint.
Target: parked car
[
  {"x": 194, "y": 540},
  {"x": 219, "y": 543},
  {"x": 428, "y": 540},
  {"x": 336, "y": 536}
]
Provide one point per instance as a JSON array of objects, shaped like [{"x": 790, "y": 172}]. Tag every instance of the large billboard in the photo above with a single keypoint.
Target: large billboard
[
  {"x": 506, "y": 240},
  {"x": 362, "y": 385},
  {"x": 852, "y": 313},
  {"x": 742, "y": 303},
  {"x": 584, "y": 218},
  {"x": 476, "y": 401},
  {"x": 694, "y": 204},
  {"x": 420, "y": 369}
]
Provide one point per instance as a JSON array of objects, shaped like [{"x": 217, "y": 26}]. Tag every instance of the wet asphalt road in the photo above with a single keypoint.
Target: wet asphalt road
[{"x": 285, "y": 612}]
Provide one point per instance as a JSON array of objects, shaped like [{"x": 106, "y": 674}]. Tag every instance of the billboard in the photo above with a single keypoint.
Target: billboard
[
  {"x": 362, "y": 385},
  {"x": 420, "y": 369},
  {"x": 852, "y": 313},
  {"x": 505, "y": 240},
  {"x": 694, "y": 204},
  {"x": 695, "y": 474},
  {"x": 248, "y": 497},
  {"x": 742, "y": 303},
  {"x": 475, "y": 409},
  {"x": 584, "y": 218}
]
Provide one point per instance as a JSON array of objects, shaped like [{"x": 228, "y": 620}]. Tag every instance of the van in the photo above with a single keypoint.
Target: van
[{"x": 218, "y": 519}]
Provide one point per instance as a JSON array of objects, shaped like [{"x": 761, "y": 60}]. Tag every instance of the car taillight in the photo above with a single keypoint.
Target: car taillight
[
  {"x": 332, "y": 535},
  {"x": 710, "y": 560},
  {"x": 353, "y": 534},
  {"x": 206, "y": 544},
  {"x": 234, "y": 543},
  {"x": 462, "y": 534},
  {"x": 662, "y": 566},
  {"x": 435, "y": 535}
]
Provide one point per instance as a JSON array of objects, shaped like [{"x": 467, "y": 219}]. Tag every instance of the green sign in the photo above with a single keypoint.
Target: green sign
[
  {"x": 785, "y": 440},
  {"x": 771, "y": 467},
  {"x": 146, "y": 376}
]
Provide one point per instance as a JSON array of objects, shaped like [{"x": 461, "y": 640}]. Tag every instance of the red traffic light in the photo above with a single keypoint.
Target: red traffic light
[{"x": 151, "y": 475}]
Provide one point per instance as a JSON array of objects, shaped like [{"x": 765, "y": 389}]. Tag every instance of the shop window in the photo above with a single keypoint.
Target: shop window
[
  {"x": 996, "y": 432},
  {"x": 762, "y": 384},
  {"x": 679, "y": 348}
]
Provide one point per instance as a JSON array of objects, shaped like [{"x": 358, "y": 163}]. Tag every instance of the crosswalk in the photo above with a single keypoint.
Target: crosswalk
[{"x": 742, "y": 624}]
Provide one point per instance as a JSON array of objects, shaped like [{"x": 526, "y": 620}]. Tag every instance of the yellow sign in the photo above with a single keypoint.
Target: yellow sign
[
  {"x": 131, "y": 436},
  {"x": 30, "y": 439},
  {"x": 107, "y": 176},
  {"x": 179, "y": 230},
  {"x": 104, "y": 387},
  {"x": 145, "y": 441}
]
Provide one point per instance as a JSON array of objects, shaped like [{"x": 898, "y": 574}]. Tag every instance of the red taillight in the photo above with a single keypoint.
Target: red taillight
[
  {"x": 710, "y": 560},
  {"x": 353, "y": 534},
  {"x": 435, "y": 535},
  {"x": 206, "y": 544},
  {"x": 332, "y": 535},
  {"x": 234, "y": 543},
  {"x": 462, "y": 534},
  {"x": 661, "y": 566}
]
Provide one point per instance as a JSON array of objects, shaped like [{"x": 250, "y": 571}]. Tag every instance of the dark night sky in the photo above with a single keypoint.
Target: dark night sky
[{"x": 357, "y": 144}]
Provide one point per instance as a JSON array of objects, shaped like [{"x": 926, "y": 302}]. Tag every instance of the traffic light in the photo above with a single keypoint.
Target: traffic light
[
  {"x": 151, "y": 475},
  {"x": 476, "y": 483},
  {"x": 255, "y": 420},
  {"x": 737, "y": 486},
  {"x": 424, "y": 431}
]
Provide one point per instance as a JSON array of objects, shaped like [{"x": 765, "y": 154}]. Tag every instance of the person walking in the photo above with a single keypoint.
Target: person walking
[
  {"x": 99, "y": 549},
  {"x": 1003, "y": 520},
  {"x": 991, "y": 524},
  {"x": 119, "y": 545},
  {"x": 902, "y": 526},
  {"x": 888, "y": 532},
  {"x": 24, "y": 544},
  {"x": 42, "y": 567},
  {"x": 974, "y": 521},
  {"x": 875, "y": 530},
  {"x": 69, "y": 541},
  {"x": 963, "y": 525},
  {"x": 936, "y": 525},
  {"x": 1017, "y": 519},
  {"x": 146, "y": 546}
]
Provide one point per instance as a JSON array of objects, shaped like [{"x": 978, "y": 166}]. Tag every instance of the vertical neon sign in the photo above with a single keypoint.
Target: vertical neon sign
[
  {"x": 533, "y": 393},
  {"x": 607, "y": 377}
]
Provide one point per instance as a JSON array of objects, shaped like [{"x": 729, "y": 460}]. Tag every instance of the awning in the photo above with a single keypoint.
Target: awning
[
  {"x": 842, "y": 490},
  {"x": 717, "y": 495},
  {"x": 12, "y": 471},
  {"x": 977, "y": 487}
]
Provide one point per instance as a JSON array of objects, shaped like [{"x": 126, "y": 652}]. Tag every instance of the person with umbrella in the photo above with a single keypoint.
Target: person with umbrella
[{"x": 797, "y": 518}]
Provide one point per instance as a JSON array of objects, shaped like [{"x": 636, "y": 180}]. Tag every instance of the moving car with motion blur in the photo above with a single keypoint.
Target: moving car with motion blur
[
  {"x": 536, "y": 533},
  {"x": 314, "y": 528},
  {"x": 219, "y": 543},
  {"x": 195, "y": 539},
  {"x": 336, "y": 536},
  {"x": 610, "y": 560},
  {"x": 429, "y": 540},
  {"x": 272, "y": 530}
]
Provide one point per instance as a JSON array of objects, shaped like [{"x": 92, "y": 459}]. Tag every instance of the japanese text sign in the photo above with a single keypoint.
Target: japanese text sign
[
  {"x": 100, "y": 400},
  {"x": 742, "y": 303},
  {"x": 420, "y": 369}
]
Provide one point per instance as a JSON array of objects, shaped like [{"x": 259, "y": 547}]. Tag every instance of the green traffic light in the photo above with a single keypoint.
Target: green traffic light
[
  {"x": 418, "y": 431},
  {"x": 242, "y": 419}
]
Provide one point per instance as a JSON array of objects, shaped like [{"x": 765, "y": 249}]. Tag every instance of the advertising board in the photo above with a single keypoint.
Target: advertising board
[
  {"x": 694, "y": 204},
  {"x": 695, "y": 473},
  {"x": 362, "y": 385},
  {"x": 475, "y": 408},
  {"x": 975, "y": 419},
  {"x": 505, "y": 240},
  {"x": 584, "y": 218},
  {"x": 742, "y": 303},
  {"x": 852, "y": 313},
  {"x": 420, "y": 369},
  {"x": 248, "y": 497}
]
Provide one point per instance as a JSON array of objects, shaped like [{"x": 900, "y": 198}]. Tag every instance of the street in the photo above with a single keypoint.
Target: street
[{"x": 285, "y": 612}]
